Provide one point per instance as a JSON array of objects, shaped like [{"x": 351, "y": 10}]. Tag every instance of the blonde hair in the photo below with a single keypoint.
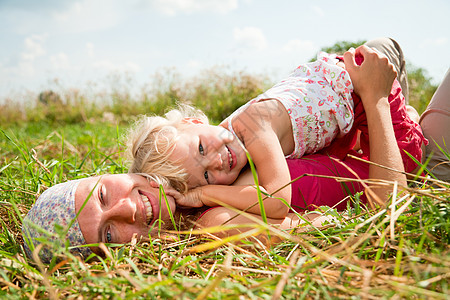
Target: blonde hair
[{"x": 151, "y": 141}]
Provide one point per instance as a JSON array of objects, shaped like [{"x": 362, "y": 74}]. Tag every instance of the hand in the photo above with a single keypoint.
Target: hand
[
  {"x": 374, "y": 77},
  {"x": 190, "y": 199}
]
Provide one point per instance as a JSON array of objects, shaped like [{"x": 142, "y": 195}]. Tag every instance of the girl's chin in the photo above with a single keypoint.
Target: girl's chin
[{"x": 233, "y": 178}]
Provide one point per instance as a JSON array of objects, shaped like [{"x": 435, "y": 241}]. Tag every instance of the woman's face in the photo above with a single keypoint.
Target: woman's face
[{"x": 120, "y": 206}]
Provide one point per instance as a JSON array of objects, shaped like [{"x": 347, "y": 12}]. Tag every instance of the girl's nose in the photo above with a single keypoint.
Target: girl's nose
[
  {"x": 124, "y": 210},
  {"x": 215, "y": 161}
]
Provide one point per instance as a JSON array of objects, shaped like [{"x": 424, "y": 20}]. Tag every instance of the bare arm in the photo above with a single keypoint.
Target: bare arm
[
  {"x": 242, "y": 197},
  {"x": 373, "y": 82},
  {"x": 223, "y": 215}
]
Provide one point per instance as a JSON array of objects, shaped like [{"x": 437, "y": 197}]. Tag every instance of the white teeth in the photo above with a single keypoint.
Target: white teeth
[
  {"x": 148, "y": 208},
  {"x": 230, "y": 158}
]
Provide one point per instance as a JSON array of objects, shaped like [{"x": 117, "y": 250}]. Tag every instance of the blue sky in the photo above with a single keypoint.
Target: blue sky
[{"x": 74, "y": 44}]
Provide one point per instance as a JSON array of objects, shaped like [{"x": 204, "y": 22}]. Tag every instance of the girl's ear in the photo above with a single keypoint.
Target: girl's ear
[{"x": 192, "y": 121}]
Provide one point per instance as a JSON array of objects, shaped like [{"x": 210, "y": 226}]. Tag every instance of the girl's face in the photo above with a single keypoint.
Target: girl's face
[
  {"x": 120, "y": 206},
  {"x": 209, "y": 154}
]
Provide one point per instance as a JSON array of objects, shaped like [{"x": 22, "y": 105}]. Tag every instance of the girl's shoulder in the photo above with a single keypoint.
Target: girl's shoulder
[{"x": 256, "y": 115}]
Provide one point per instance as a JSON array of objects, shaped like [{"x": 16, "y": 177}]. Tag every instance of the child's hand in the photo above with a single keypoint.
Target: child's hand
[
  {"x": 374, "y": 77},
  {"x": 190, "y": 199}
]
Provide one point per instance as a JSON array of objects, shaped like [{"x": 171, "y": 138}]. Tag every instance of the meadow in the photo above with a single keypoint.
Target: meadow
[{"x": 400, "y": 250}]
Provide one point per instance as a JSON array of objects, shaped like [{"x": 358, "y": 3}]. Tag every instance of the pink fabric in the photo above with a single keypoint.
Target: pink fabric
[
  {"x": 309, "y": 192},
  {"x": 407, "y": 132}
]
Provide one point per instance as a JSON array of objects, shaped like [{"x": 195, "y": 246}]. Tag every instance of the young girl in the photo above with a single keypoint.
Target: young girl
[{"x": 300, "y": 115}]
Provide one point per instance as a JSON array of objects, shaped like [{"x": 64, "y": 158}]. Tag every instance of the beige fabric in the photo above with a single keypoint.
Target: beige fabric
[
  {"x": 394, "y": 53},
  {"x": 435, "y": 123}
]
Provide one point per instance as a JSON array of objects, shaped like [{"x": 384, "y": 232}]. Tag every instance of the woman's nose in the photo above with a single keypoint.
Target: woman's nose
[{"x": 124, "y": 210}]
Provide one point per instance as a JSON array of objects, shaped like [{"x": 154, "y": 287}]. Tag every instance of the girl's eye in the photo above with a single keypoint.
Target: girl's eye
[
  {"x": 206, "y": 176},
  {"x": 200, "y": 149}
]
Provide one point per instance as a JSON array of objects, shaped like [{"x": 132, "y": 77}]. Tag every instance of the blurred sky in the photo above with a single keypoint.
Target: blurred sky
[{"x": 76, "y": 42}]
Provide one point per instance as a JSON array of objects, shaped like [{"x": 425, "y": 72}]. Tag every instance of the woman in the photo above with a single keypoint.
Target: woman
[
  {"x": 435, "y": 123},
  {"x": 113, "y": 207}
]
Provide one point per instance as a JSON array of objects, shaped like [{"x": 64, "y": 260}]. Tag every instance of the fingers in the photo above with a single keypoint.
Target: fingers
[
  {"x": 174, "y": 193},
  {"x": 373, "y": 78},
  {"x": 349, "y": 60},
  {"x": 370, "y": 57},
  {"x": 180, "y": 199},
  {"x": 190, "y": 199},
  {"x": 364, "y": 51},
  {"x": 369, "y": 53}
]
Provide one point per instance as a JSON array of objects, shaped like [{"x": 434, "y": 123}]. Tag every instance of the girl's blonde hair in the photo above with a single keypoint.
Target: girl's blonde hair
[{"x": 151, "y": 141}]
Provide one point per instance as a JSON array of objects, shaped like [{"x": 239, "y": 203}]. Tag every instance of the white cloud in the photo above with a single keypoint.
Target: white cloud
[
  {"x": 440, "y": 41},
  {"x": 25, "y": 69},
  {"x": 86, "y": 15},
  {"x": 32, "y": 5},
  {"x": 250, "y": 37},
  {"x": 33, "y": 47},
  {"x": 299, "y": 51},
  {"x": 90, "y": 49},
  {"x": 299, "y": 46},
  {"x": 112, "y": 67},
  {"x": 60, "y": 61},
  {"x": 69, "y": 17},
  {"x": 318, "y": 10},
  {"x": 175, "y": 7},
  {"x": 64, "y": 16},
  {"x": 24, "y": 66},
  {"x": 194, "y": 65}
]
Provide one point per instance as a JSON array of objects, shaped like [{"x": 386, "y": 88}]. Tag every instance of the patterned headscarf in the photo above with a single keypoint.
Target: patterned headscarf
[{"x": 56, "y": 206}]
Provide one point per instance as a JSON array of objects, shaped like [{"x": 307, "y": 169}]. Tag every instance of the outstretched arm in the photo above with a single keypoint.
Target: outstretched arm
[
  {"x": 372, "y": 81},
  {"x": 225, "y": 216}
]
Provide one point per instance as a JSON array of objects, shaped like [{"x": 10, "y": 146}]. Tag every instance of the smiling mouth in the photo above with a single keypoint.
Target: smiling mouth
[
  {"x": 230, "y": 157},
  {"x": 148, "y": 209}
]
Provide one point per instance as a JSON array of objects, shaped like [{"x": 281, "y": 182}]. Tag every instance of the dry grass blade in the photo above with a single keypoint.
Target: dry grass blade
[
  {"x": 284, "y": 277},
  {"x": 225, "y": 271}
]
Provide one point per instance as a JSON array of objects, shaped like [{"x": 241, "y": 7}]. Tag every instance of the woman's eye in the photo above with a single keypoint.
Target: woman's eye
[
  {"x": 102, "y": 200},
  {"x": 200, "y": 149},
  {"x": 108, "y": 236},
  {"x": 206, "y": 176}
]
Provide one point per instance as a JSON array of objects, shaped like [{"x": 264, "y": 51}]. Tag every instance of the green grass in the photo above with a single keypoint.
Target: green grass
[{"x": 399, "y": 251}]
